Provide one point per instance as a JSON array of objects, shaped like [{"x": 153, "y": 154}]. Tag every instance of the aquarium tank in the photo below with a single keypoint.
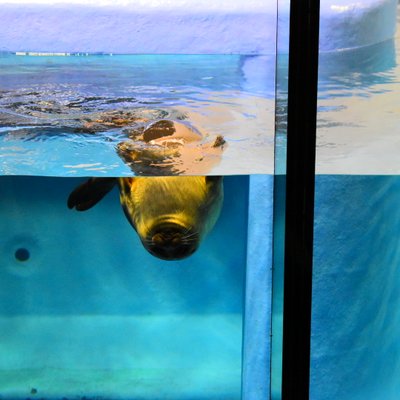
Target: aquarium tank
[
  {"x": 137, "y": 159},
  {"x": 143, "y": 188}
]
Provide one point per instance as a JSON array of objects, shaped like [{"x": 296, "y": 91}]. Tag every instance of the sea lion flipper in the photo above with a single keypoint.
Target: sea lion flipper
[{"x": 88, "y": 194}]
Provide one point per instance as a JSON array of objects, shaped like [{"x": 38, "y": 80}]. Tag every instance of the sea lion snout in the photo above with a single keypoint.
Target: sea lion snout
[{"x": 171, "y": 241}]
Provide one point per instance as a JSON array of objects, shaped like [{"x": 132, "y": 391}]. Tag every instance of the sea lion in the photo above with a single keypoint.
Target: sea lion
[{"x": 170, "y": 214}]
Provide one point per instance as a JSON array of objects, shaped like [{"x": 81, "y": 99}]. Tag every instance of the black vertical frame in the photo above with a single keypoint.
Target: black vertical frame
[{"x": 300, "y": 177}]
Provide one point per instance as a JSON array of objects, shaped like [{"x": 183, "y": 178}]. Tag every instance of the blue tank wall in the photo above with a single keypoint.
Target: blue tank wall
[
  {"x": 93, "y": 261},
  {"x": 356, "y": 296}
]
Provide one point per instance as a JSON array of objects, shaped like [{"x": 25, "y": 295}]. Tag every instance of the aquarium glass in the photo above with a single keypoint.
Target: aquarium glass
[
  {"x": 115, "y": 282},
  {"x": 282, "y": 63},
  {"x": 355, "y": 326}
]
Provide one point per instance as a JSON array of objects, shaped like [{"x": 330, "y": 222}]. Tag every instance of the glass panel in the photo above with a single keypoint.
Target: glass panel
[
  {"x": 356, "y": 254},
  {"x": 282, "y": 66},
  {"x": 128, "y": 89}
]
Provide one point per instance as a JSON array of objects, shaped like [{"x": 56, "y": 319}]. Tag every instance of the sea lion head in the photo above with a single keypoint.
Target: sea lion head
[{"x": 171, "y": 214}]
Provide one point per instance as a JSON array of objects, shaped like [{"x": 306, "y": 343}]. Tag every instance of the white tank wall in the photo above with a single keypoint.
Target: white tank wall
[
  {"x": 347, "y": 24},
  {"x": 183, "y": 26},
  {"x": 140, "y": 27}
]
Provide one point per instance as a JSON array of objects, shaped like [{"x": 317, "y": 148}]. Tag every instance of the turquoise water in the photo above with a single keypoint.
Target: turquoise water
[
  {"x": 45, "y": 101},
  {"x": 86, "y": 312},
  {"x": 121, "y": 74}
]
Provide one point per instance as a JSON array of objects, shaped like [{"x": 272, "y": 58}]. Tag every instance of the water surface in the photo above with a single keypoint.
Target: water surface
[{"x": 45, "y": 100}]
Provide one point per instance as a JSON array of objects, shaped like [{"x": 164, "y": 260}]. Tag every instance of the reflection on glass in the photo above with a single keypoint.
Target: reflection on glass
[
  {"x": 358, "y": 94},
  {"x": 355, "y": 326},
  {"x": 279, "y": 197}
]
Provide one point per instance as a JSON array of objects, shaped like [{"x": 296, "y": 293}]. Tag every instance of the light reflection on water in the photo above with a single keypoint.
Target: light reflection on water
[
  {"x": 225, "y": 95},
  {"x": 48, "y": 99},
  {"x": 358, "y": 94},
  {"x": 358, "y": 113}
]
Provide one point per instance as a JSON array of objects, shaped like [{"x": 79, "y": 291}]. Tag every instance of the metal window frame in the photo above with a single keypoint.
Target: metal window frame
[{"x": 300, "y": 185}]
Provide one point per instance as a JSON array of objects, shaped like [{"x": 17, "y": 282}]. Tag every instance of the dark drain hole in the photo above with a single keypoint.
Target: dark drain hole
[{"x": 22, "y": 254}]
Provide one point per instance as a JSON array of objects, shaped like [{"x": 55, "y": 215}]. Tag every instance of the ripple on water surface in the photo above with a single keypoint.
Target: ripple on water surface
[{"x": 69, "y": 115}]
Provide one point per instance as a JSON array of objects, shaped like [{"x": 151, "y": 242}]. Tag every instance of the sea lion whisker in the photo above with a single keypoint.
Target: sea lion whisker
[
  {"x": 187, "y": 230},
  {"x": 190, "y": 235},
  {"x": 189, "y": 240}
]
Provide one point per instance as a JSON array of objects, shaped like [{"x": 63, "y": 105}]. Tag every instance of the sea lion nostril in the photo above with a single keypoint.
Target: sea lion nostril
[
  {"x": 167, "y": 234},
  {"x": 168, "y": 241},
  {"x": 167, "y": 238},
  {"x": 158, "y": 239},
  {"x": 176, "y": 240}
]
